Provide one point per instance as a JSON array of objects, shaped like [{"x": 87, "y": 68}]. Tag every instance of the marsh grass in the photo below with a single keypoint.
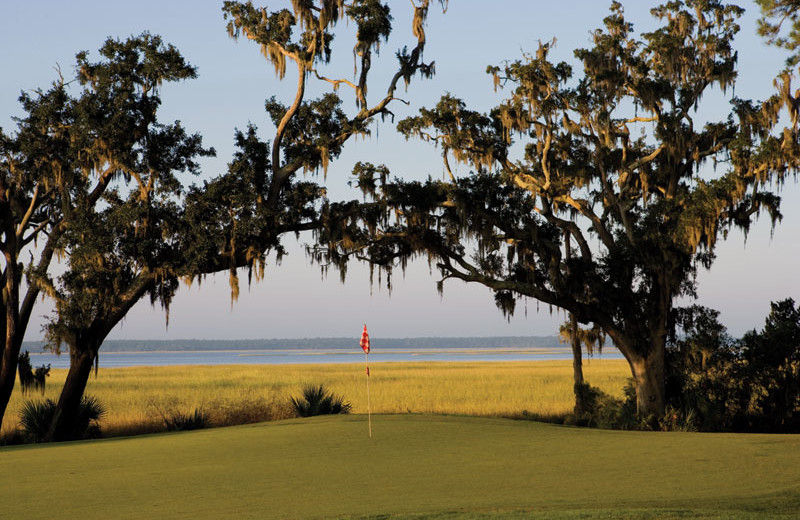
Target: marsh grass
[{"x": 137, "y": 398}]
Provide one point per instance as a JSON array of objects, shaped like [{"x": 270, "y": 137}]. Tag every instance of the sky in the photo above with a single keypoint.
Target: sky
[{"x": 37, "y": 38}]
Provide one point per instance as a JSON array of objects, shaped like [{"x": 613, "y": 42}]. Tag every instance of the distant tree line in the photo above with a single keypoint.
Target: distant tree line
[{"x": 123, "y": 345}]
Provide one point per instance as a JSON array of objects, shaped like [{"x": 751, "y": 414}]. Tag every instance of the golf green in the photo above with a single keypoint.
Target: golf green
[{"x": 414, "y": 466}]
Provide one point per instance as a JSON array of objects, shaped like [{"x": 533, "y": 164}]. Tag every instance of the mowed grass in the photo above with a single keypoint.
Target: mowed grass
[
  {"x": 137, "y": 397},
  {"x": 415, "y": 466}
]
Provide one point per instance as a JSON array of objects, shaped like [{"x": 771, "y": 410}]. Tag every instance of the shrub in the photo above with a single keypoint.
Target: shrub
[
  {"x": 316, "y": 400},
  {"x": 179, "y": 421},
  {"x": 605, "y": 411},
  {"x": 677, "y": 420},
  {"x": 36, "y": 417},
  {"x": 25, "y": 370},
  {"x": 30, "y": 378},
  {"x": 751, "y": 384},
  {"x": 253, "y": 409}
]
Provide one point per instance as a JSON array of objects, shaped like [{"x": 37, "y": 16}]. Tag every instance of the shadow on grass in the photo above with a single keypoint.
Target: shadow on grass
[
  {"x": 777, "y": 506},
  {"x": 775, "y": 512}
]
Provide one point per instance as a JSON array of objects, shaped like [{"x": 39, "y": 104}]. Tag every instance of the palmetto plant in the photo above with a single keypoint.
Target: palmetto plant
[
  {"x": 316, "y": 400},
  {"x": 179, "y": 421},
  {"x": 37, "y": 416}
]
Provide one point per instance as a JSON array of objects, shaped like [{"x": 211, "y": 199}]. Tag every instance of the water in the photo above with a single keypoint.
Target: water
[{"x": 305, "y": 356}]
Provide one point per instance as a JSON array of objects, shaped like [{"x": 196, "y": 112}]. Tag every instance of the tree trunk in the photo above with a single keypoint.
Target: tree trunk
[
  {"x": 647, "y": 363},
  {"x": 64, "y": 419},
  {"x": 577, "y": 368},
  {"x": 649, "y": 378},
  {"x": 10, "y": 350},
  {"x": 8, "y": 376}
]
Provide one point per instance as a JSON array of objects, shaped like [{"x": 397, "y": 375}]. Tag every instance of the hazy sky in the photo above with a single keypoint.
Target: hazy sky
[{"x": 36, "y": 37}]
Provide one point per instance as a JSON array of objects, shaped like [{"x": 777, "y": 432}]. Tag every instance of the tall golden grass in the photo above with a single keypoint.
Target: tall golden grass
[{"x": 139, "y": 398}]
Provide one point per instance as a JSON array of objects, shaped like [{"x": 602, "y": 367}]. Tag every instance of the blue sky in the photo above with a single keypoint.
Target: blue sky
[{"x": 234, "y": 80}]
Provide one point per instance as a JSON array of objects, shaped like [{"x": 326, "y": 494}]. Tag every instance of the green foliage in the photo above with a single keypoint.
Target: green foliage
[
  {"x": 676, "y": 420},
  {"x": 593, "y": 188},
  {"x": 771, "y": 359},
  {"x": 313, "y": 136},
  {"x": 30, "y": 378},
  {"x": 38, "y": 169},
  {"x": 25, "y": 369},
  {"x": 123, "y": 216},
  {"x": 752, "y": 384},
  {"x": 37, "y": 416},
  {"x": 96, "y": 173},
  {"x": 374, "y": 24},
  {"x": 780, "y": 25},
  {"x": 607, "y": 412},
  {"x": 273, "y": 31},
  {"x": 316, "y": 400},
  {"x": 179, "y": 421},
  {"x": 611, "y": 413},
  {"x": 122, "y": 245},
  {"x": 701, "y": 369}
]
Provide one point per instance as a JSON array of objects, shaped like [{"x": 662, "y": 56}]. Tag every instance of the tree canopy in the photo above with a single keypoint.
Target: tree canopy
[
  {"x": 130, "y": 227},
  {"x": 69, "y": 158},
  {"x": 116, "y": 215},
  {"x": 597, "y": 189}
]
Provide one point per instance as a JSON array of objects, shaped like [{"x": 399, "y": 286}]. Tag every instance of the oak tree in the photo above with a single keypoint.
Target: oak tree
[
  {"x": 145, "y": 239},
  {"x": 597, "y": 189},
  {"x": 119, "y": 246},
  {"x": 261, "y": 198},
  {"x": 780, "y": 25},
  {"x": 55, "y": 157}
]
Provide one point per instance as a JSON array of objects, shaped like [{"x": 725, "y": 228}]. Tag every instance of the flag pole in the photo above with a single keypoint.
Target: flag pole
[
  {"x": 369, "y": 410},
  {"x": 365, "y": 347}
]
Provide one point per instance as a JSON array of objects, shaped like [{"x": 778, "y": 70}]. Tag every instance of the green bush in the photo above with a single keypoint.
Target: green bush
[
  {"x": 605, "y": 411},
  {"x": 316, "y": 400},
  {"x": 36, "y": 417},
  {"x": 678, "y": 420},
  {"x": 716, "y": 383},
  {"x": 30, "y": 378},
  {"x": 179, "y": 421}
]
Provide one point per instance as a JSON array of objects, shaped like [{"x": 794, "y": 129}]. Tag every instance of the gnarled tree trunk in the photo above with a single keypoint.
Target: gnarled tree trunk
[
  {"x": 64, "y": 419},
  {"x": 649, "y": 377},
  {"x": 8, "y": 376},
  {"x": 10, "y": 349},
  {"x": 647, "y": 363}
]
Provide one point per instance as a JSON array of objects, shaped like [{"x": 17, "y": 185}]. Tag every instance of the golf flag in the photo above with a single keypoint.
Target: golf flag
[
  {"x": 365, "y": 347},
  {"x": 365, "y": 340}
]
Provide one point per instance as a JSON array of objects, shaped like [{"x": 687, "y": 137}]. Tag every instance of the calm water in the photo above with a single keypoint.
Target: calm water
[{"x": 282, "y": 357}]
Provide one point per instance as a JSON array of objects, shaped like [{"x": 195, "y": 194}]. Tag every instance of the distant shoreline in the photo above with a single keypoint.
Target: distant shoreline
[
  {"x": 315, "y": 351},
  {"x": 305, "y": 344},
  {"x": 278, "y": 356}
]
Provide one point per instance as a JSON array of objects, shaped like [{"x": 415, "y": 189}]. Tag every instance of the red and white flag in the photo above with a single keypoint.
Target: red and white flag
[
  {"x": 365, "y": 347},
  {"x": 365, "y": 340}
]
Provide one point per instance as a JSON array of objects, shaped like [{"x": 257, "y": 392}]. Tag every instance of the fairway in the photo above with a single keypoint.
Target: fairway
[{"x": 415, "y": 466}]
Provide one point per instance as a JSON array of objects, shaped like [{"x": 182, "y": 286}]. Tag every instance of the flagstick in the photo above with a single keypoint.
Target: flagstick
[{"x": 369, "y": 411}]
